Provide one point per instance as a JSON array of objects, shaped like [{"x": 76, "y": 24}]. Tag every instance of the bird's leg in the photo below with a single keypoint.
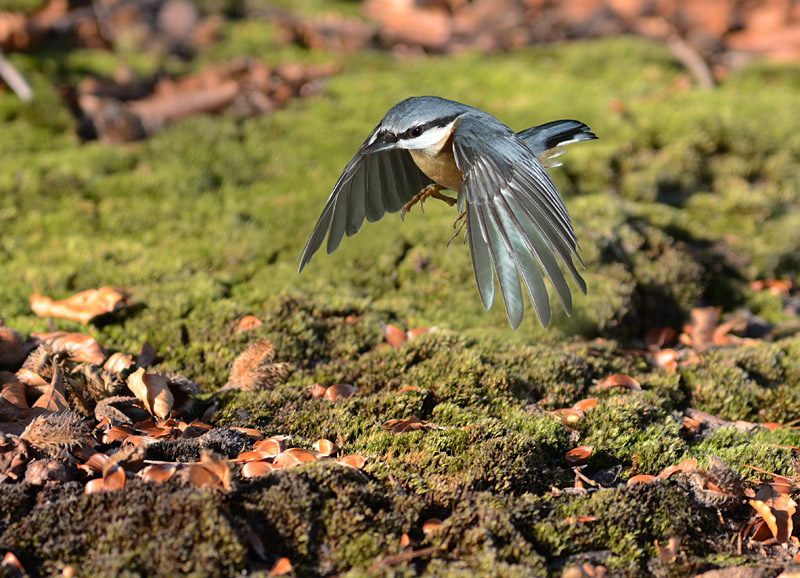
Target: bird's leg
[
  {"x": 458, "y": 225},
  {"x": 431, "y": 190}
]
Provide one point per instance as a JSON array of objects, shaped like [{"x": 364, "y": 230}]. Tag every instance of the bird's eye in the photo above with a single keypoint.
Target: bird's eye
[{"x": 416, "y": 131}]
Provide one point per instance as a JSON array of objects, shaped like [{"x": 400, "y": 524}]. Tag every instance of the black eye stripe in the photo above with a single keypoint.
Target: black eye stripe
[{"x": 415, "y": 131}]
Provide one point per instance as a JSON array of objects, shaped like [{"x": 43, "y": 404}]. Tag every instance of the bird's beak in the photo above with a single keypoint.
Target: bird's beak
[{"x": 382, "y": 141}]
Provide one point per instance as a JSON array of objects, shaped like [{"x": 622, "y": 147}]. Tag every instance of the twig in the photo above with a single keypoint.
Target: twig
[
  {"x": 14, "y": 79},
  {"x": 692, "y": 60}
]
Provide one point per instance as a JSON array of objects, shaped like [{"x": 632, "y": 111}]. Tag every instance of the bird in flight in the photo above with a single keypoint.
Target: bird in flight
[{"x": 515, "y": 219}]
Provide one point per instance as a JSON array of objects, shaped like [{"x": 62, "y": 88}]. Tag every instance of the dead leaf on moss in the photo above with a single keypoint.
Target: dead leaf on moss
[
  {"x": 666, "y": 358},
  {"x": 353, "y": 461},
  {"x": 641, "y": 479},
  {"x": 250, "y": 432},
  {"x": 256, "y": 469},
  {"x": 248, "y": 323},
  {"x": 683, "y": 467},
  {"x": 776, "y": 510},
  {"x": 584, "y": 404},
  {"x": 217, "y": 466},
  {"x": 579, "y": 455},
  {"x": 282, "y": 567},
  {"x": 78, "y": 346},
  {"x": 339, "y": 392},
  {"x": 83, "y": 306},
  {"x": 585, "y": 570},
  {"x": 158, "y": 472},
  {"x": 325, "y": 447},
  {"x": 394, "y": 335},
  {"x": 398, "y": 426},
  {"x": 780, "y": 287},
  {"x": 153, "y": 390},
  {"x": 431, "y": 525},
  {"x": 568, "y": 416},
  {"x": 147, "y": 355},
  {"x": 113, "y": 480},
  {"x": 13, "y": 348},
  {"x": 618, "y": 380},
  {"x": 405, "y": 541},
  {"x": 417, "y": 331},
  {"x": 316, "y": 390},
  {"x": 117, "y": 433},
  {"x": 293, "y": 457},
  {"x": 271, "y": 446}
]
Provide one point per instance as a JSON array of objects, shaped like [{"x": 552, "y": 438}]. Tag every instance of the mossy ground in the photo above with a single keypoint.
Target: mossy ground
[{"x": 687, "y": 196}]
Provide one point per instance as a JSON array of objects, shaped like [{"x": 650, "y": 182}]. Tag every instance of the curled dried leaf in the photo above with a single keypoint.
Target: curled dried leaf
[
  {"x": 316, "y": 390},
  {"x": 394, "y": 335},
  {"x": 270, "y": 446},
  {"x": 14, "y": 393},
  {"x": 777, "y": 511},
  {"x": 584, "y": 404},
  {"x": 641, "y": 479},
  {"x": 256, "y": 469},
  {"x": 282, "y": 567},
  {"x": 13, "y": 348},
  {"x": 13, "y": 457},
  {"x": 431, "y": 525},
  {"x": 353, "y": 461},
  {"x": 325, "y": 447},
  {"x": 118, "y": 362},
  {"x": 339, "y": 392},
  {"x": 579, "y": 455},
  {"x": 248, "y": 323},
  {"x": 83, "y": 306},
  {"x": 398, "y": 426},
  {"x": 417, "y": 331},
  {"x": 568, "y": 417},
  {"x": 293, "y": 457},
  {"x": 78, "y": 346},
  {"x": 684, "y": 467},
  {"x": 658, "y": 337},
  {"x": 158, "y": 472},
  {"x": 618, "y": 380},
  {"x": 153, "y": 390},
  {"x": 250, "y": 432}
]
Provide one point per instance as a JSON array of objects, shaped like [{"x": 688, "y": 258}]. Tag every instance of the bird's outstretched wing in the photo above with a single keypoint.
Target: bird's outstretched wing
[
  {"x": 516, "y": 220},
  {"x": 547, "y": 139},
  {"x": 371, "y": 185}
]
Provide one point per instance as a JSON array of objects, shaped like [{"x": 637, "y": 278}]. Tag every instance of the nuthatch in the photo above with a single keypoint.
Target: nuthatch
[{"x": 516, "y": 221}]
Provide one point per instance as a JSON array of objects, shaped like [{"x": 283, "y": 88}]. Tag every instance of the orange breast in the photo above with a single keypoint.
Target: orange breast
[{"x": 439, "y": 166}]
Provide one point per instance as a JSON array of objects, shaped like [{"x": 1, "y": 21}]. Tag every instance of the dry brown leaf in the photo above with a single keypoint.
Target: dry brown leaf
[
  {"x": 394, "y": 335},
  {"x": 218, "y": 467},
  {"x": 282, "y": 567},
  {"x": 158, "y": 472},
  {"x": 147, "y": 355},
  {"x": 112, "y": 480},
  {"x": 777, "y": 511},
  {"x": 618, "y": 380},
  {"x": 568, "y": 416},
  {"x": 405, "y": 541},
  {"x": 684, "y": 467},
  {"x": 248, "y": 323},
  {"x": 431, "y": 525},
  {"x": 12, "y": 566},
  {"x": 14, "y": 393},
  {"x": 118, "y": 362},
  {"x": 83, "y": 306},
  {"x": 584, "y": 404},
  {"x": 117, "y": 433},
  {"x": 579, "y": 455},
  {"x": 250, "y": 432},
  {"x": 316, "y": 390},
  {"x": 153, "y": 390},
  {"x": 641, "y": 479},
  {"x": 353, "y": 461},
  {"x": 339, "y": 392},
  {"x": 271, "y": 446},
  {"x": 666, "y": 358},
  {"x": 700, "y": 332},
  {"x": 417, "y": 331},
  {"x": 256, "y": 469},
  {"x": 781, "y": 287},
  {"x": 325, "y": 447},
  {"x": 293, "y": 457},
  {"x": 253, "y": 369},
  {"x": 78, "y": 346}
]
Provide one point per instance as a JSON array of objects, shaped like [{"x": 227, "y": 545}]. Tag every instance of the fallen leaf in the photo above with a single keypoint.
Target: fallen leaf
[
  {"x": 585, "y": 404},
  {"x": 270, "y": 446},
  {"x": 282, "y": 567},
  {"x": 78, "y": 346},
  {"x": 417, "y": 331},
  {"x": 83, "y": 306},
  {"x": 14, "y": 393},
  {"x": 118, "y": 362},
  {"x": 12, "y": 566},
  {"x": 618, "y": 380},
  {"x": 684, "y": 467},
  {"x": 317, "y": 390},
  {"x": 353, "y": 461},
  {"x": 398, "y": 426},
  {"x": 394, "y": 335},
  {"x": 431, "y": 525},
  {"x": 257, "y": 469},
  {"x": 248, "y": 323},
  {"x": 13, "y": 457},
  {"x": 641, "y": 479},
  {"x": 325, "y": 447},
  {"x": 293, "y": 457},
  {"x": 655, "y": 339},
  {"x": 13, "y": 348},
  {"x": 254, "y": 369},
  {"x": 158, "y": 472},
  {"x": 777, "y": 511},
  {"x": 339, "y": 392},
  {"x": 579, "y": 455},
  {"x": 153, "y": 390}
]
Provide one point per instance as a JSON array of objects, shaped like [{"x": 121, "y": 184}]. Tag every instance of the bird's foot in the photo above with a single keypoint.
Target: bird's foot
[
  {"x": 458, "y": 225},
  {"x": 431, "y": 190}
]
